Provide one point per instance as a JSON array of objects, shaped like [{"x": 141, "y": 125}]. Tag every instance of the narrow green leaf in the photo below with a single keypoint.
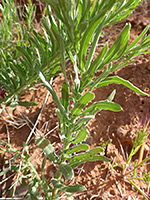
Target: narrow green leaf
[
  {"x": 62, "y": 50},
  {"x": 25, "y": 54},
  {"x": 118, "y": 45},
  {"x": 49, "y": 32},
  {"x": 124, "y": 9},
  {"x": 95, "y": 150},
  {"x": 123, "y": 45},
  {"x": 39, "y": 47},
  {"x": 81, "y": 122},
  {"x": 65, "y": 95},
  {"x": 55, "y": 8},
  {"x": 102, "y": 105},
  {"x": 82, "y": 102},
  {"x": 87, "y": 157},
  {"x": 140, "y": 191},
  {"x": 138, "y": 38},
  {"x": 85, "y": 10},
  {"x": 118, "y": 80},
  {"x": 75, "y": 188},
  {"x": 76, "y": 79},
  {"x": 67, "y": 19},
  {"x": 99, "y": 158},
  {"x": 89, "y": 32},
  {"x": 19, "y": 71},
  {"x": 111, "y": 96},
  {"x": 5, "y": 171},
  {"x": 26, "y": 103},
  {"x": 106, "y": 105},
  {"x": 94, "y": 43},
  {"x": 56, "y": 183},
  {"x": 94, "y": 3},
  {"x": 66, "y": 170},
  {"x": 94, "y": 66},
  {"x": 81, "y": 136},
  {"x": 50, "y": 88},
  {"x": 77, "y": 148},
  {"x": 87, "y": 154}
]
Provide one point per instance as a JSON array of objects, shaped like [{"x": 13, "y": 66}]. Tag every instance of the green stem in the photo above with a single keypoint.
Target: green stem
[
  {"x": 142, "y": 193},
  {"x": 34, "y": 171},
  {"x": 55, "y": 190}
]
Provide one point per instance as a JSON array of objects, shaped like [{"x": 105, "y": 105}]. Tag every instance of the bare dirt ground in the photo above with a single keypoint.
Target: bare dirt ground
[{"x": 119, "y": 128}]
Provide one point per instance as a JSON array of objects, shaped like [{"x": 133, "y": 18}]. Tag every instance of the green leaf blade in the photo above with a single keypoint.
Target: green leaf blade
[
  {"x": 81, "y": 122},
  {"x": 119, "y": 46},
  {"x": 119, "y": 80},
  {"x": 94, "y": 154},
  {"x": 77, "y": 148},
  {"x": 66, "y": 170},
  {"x": 83, "y": 101},
  {"x": 27, "y": 104},
  {"x": 81, "y": 136},
  {"x": 102, "y": 105},
  {"x": 65, "y": 95},
  {"x": 75, "y": 188}
]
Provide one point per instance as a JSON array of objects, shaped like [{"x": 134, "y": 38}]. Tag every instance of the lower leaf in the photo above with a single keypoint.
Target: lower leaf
[{"x": 75, "y": 188}]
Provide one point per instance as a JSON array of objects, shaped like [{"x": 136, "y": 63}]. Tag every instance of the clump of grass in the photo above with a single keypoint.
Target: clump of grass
[{"x": 142, "y": 133}]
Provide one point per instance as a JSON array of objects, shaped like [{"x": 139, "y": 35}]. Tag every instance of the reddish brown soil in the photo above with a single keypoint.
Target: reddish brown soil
[{"x": 119, "y": 128}]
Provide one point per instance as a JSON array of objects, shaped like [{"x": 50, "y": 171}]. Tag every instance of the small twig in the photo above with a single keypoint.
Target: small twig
[
  {"x": 80, "y": 170},
  {"x": 7, "y": 178},
  {"x": 15, "y": 121},
  {"x": 107, "y": 175},
  {"x": 141, "y": 154},
  {"x": 121, "y": 148},
  {"x": 96, "y": 195},
  {"x": 51, "y": 130},
  {"x": 30, "y": 135},
  {"x": 45, "y": 125},
  {"x": 36, "y": 123},
  {"x": 8, "y": 135},
  {"x": 28, "y": 121},
  {"x": 116, "y": 182}
]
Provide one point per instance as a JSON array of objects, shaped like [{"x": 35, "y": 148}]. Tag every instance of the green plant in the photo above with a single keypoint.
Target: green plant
[
  {"x": 71, "y": 31},
  {"x": 14, "y": 31},
  {"x": 18, "y": 53},
  {"x": 138, "y": 144}
]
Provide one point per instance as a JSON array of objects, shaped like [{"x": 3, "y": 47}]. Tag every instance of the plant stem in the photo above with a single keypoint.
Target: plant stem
[
  {"x": 55, "y": 190},
  {"x": 34, "y": 171},
  {"x": 142, "y": 192}
]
